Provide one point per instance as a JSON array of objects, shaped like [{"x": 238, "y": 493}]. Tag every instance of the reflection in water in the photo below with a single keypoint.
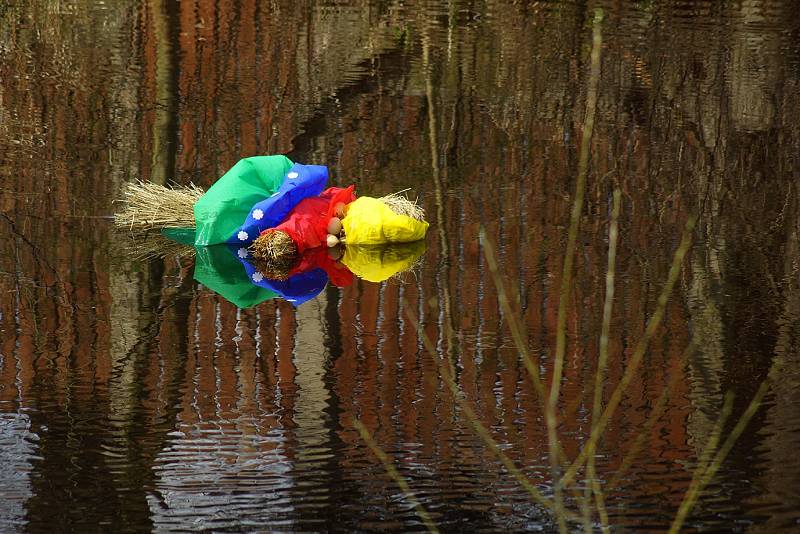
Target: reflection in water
[
  {"x": 133, "y": 398},
  {"x": 17, "y": 449},
  {"x": 229, "y": 270}
]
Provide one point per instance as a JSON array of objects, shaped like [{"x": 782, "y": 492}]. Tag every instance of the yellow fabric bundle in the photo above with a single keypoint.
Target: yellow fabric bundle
[{"x": 368, "y": 221}]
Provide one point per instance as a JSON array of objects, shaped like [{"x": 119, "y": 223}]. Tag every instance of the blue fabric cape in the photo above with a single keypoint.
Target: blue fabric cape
[{"x": 301, "y": 181}]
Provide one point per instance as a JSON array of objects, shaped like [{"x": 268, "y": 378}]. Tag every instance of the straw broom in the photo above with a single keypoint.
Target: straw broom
[{"x": 150, "y": 206}]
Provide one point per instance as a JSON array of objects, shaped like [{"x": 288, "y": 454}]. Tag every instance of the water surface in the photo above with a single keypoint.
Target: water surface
[{"x": 134, "y": 399}]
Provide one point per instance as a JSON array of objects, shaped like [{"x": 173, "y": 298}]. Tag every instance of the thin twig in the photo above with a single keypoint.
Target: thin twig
[
  {"x": 638, "y": 352},
  {"x": 602, "y": 361},
  {"x": 395, "y": 475},
  {"x": 458, "y": 395},
  {"x": 698, "y": 484},
  {"x": 566, "y": 277},
  {"x": 655, "y": 415},
  {"x": 514, "y": 326}
]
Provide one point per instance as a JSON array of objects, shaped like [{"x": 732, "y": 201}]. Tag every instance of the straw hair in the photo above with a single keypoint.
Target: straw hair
[
  {"x": 275, "y": 253},
  {"x": 151, "y": 206},
  {"x": 398, "y": 203}
]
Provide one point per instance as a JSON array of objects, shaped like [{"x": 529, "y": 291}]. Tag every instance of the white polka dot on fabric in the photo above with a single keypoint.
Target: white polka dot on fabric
[
  {"x": 257, "y": 277},
  {"x": 242, "y": 235},
  {"x": 258, "y": 214},
  {"x": 292, "y": 175},
  {"x": 242, "y": 252}
]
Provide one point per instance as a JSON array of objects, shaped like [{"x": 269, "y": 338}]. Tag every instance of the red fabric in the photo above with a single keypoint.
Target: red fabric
[
  {"x": 303, "y": 223},
  {"x": 317, "y": 258},
  {"x": 345, "y": 196},
  {"x": 307, "y": 223}
]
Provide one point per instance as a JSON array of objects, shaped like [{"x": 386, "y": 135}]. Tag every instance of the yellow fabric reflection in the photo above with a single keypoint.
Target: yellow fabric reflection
[{"x": 376, "y": 263}]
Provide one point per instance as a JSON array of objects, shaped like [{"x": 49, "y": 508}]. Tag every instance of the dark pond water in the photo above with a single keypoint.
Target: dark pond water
[{"x": 134, "y": 399}]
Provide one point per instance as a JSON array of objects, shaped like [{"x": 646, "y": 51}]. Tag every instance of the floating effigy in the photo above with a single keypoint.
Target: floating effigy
[{"x": 270, "y": 228}]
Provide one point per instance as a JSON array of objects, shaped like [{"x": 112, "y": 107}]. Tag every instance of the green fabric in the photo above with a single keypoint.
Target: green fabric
[
  {"x": 184, "y": 236},
  {"x": 217, "y": 268},
  {"x": 226, "y": 205}
]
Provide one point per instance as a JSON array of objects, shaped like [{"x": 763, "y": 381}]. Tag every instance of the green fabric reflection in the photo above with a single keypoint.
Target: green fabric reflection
[{"x": 218, "y": 269}]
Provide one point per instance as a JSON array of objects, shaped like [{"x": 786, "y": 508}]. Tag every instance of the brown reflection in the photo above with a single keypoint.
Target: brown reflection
[{"x": 143, "y": 390}]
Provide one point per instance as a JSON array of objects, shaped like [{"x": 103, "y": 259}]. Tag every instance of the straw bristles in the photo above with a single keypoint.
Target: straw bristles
[
  {"x": 271, "y": 271},
  {"x": 275, "y": 253},
  {"x": 151, "y": 206},
  {"x": 144, "y": 245},
  {"x": 401, "y": 205},
  {"x": 400, "y": 277}
]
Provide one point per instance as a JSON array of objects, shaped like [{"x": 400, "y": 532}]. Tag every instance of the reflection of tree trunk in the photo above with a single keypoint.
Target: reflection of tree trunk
[
  {"x": 445, "y": 315},
  {"x": 164, "y": 127},
  {"x": 706, "y": 366},
  {"x": 780, "y": 475},
  {"x": 126, "y": 283},
  {"x": 335, "y": 44},
  {"x": 126, "y": 318},
  {"x": 312, "y": 398},
  {"x": 753, "y": 70}
]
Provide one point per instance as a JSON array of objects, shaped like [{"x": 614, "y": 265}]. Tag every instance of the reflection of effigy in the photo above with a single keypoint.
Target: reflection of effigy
[
  {"x": 268, "y": 228},
  {"x": 229, "y": 271}
]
